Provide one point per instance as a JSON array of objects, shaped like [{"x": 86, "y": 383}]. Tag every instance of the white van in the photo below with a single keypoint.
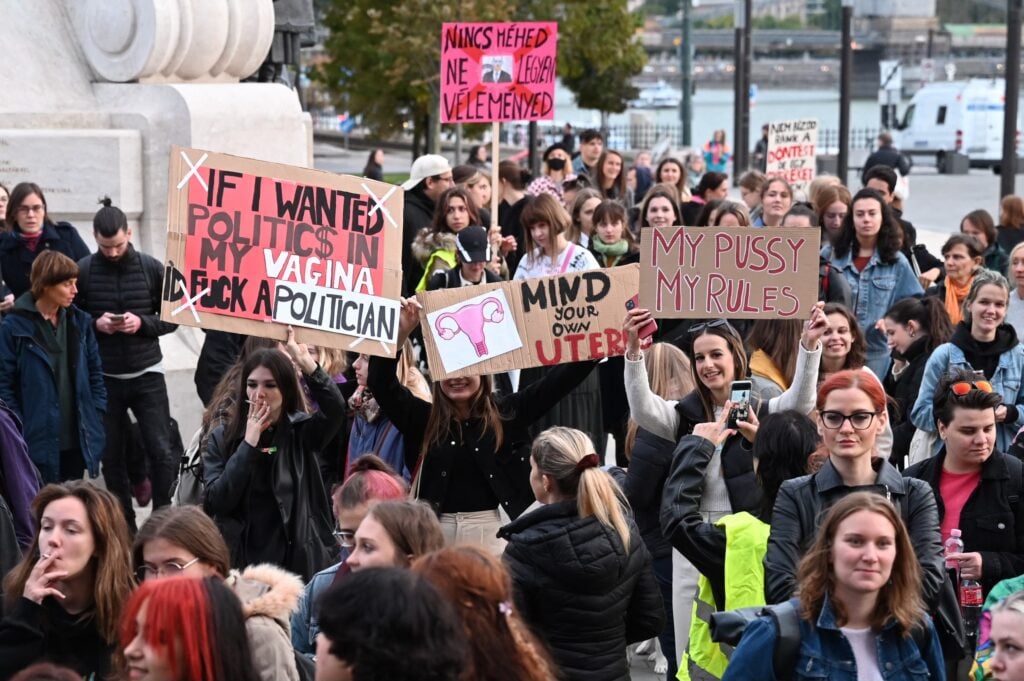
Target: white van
[{"x": 956, "y": 116}]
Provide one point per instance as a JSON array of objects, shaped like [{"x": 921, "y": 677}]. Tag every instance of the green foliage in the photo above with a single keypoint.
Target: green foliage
[
  {"x": 830, "y": 19},
  {"x": 598, "y": 55},
  {"x": 970, "y": 12},
  {"x": 724, "y": 20}
]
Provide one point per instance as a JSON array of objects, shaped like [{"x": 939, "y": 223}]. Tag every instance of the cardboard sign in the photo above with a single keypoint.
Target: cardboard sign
[
  {"x": 792, "y": 151},
  {"x": 498, "y": 72},
  {"x": 253, "y": 246},
  {"x": 491, "y": 328},
  {"x": 729, "y": 272}
]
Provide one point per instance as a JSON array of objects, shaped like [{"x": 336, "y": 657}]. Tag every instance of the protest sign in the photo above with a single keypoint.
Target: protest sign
[
  {"x": 491, "y": 328},
  {"x": 792, "y": 151},
  {"x": 251, "y": 242},
  {"x": 498, "y": 72},
  {"x": 729, "y": 272}
]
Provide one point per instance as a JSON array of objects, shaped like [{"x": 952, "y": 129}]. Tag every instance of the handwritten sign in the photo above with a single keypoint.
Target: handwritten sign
[
  {"x": 534, "y": 322},
  {"x": 727, "y": 272},
  {"x": 498, "y": 72},
  {"x": 253, "y": 246},
  {"x": 792, "y": 151}
]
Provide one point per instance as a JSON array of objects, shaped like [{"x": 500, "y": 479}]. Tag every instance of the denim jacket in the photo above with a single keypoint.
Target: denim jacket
[
  {"x": 305, "y": 621},
  {"x": 1005, "y": 381},
  {"x": 825, "y": 653},
  {"x": 873, "y": 292}
]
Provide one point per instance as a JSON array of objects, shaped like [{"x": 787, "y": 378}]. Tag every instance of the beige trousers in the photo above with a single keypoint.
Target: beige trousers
[{"x": 479, "y": 528}]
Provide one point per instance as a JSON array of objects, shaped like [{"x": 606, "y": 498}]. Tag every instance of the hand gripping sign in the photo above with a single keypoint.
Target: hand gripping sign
[{"x": 253, "y": 246}]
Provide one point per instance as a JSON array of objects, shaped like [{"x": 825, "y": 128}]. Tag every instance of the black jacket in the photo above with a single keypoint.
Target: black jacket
[
  {"x": 904, "y": 392},
  {"x": 507, "y": 468},
  {"x": 803, "y": 502},
  {"x": 701, "y": 543},
  {"x": 581, "y": 590},
  {"x": 453, "y": 279},
  {"x": 130, "y": 284},
  {"x": 737, "y": 457},
  {"x": 648, "y": 470},
  {"x": 220, "y": 350},
  {"x": 886, "y": 156},
  {"x": 45, "y": 632},
  {"x": 16, "y": 260},
  {"x": 418, "y": 213},
  {"x": 992, "y": 520},
  {"x": 305, "y": 511}
]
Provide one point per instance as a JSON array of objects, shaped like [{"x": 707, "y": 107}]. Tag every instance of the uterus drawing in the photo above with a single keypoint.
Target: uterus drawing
[{"x": 470, "y": 320}]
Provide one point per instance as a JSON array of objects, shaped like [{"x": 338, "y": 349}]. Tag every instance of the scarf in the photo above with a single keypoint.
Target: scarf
[
  {"x": 362, "y": 403},
  {"x": 955, "y": 294},
  {"x": 31, "y": 241},
  {"x": 610, "y": 252}
]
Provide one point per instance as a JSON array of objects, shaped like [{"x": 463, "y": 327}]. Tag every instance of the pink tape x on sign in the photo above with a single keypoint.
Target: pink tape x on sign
[{"x": 470, "y": 320}]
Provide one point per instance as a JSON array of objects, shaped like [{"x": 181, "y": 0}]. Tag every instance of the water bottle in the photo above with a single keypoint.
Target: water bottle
[
  {"x": 954, "y": 545},
  {"x": 971, "y": 601}
]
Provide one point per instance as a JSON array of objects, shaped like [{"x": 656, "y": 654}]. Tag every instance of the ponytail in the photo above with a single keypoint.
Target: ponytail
[
  {"x": 566, "y": 455},
  {"x": 936, "y": 321},
  {"x": 514, "y": 175}
]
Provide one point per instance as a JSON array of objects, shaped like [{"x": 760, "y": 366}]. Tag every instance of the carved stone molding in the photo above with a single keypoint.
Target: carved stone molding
[{"x": 173, "y": 40}]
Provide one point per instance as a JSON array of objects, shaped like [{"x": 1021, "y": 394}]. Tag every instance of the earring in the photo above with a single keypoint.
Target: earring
[{"x": 913, "y": 333}]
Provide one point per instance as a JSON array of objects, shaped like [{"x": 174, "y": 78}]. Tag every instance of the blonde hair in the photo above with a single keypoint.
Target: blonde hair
[
  {"x": 668, "y": 371},
  {"x": 557, "y": 452},
  {"x": 332, "y": 360},
  {"x": 1012, "y": 603}
]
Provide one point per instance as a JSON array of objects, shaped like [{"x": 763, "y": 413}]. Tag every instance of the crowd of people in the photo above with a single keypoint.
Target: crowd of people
[{"x": 348, "y": 518}]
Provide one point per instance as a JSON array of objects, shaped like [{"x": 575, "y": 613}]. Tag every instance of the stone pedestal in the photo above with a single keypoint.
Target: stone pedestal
[{"x": 97, "y": 91}]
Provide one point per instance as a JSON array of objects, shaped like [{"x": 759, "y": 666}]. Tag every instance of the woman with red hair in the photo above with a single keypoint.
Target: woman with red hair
[
  {"x": 183, "y": 629},
  {"x": 851, "y": 415},
  {"x": 501, "y": 646}
]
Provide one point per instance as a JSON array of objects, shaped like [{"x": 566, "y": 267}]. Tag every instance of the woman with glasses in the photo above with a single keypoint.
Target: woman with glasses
[
  {"x": 31, "y": 232},
  {"x": 370, "y": 480},
  {"x": 263, "y": 484},
  {"x": 983, "y": 342},
  {"x": 63, "y": 600},
  {"x": 182, "y": 541},
  {"x": 851, "y": 416}
]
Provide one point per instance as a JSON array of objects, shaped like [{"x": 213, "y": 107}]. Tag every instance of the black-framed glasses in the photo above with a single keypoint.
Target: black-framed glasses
[
  {"x": 860, "y": 420},
  {"x": 346, "y": 538},
  {"x": 170, "y": 569}
]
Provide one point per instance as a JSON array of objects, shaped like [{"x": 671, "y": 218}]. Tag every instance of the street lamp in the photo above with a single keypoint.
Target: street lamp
[
  {"x": 845, "y": 78},
  {"x": 1008, "y": 167},
  {"x": 740, "y": 61}
]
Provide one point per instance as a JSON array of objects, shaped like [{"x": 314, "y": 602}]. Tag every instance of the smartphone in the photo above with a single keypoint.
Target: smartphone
[
  {"x": 650, "y": 327},
  {"x": 117, "y": 318},
  {"x": 739, "y": 395}
]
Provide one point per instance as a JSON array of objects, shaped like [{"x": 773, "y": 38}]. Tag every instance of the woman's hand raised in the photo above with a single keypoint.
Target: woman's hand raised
[
  {"x": 409, "y": 318},
  {"x": 635, "y": 320},
  {"x": 815, "y": 327},
  {"x": 299, "y": 353}
]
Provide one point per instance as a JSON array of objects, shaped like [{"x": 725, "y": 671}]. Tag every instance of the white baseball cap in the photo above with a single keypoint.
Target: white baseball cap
[{"x": 426, "y": 166}]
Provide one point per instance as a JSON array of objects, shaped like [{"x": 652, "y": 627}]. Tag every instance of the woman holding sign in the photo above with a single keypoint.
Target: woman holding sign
[
  {"x": 467, "y": 446},
  {"x": 867, "y": 252},
  {"x": 263, "y": 484}
]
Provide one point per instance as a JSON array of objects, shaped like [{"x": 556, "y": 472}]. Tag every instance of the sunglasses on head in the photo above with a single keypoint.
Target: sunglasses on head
[
  {"x": 961, "y": 388},
  {"x": 698, "y": 329}
]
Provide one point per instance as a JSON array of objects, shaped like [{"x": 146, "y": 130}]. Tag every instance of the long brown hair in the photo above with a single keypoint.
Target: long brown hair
[
  {"x": 543, "y": 208},
  {"x": 670, "y": 376},
  {"x": 572, "y": 234},
  {"x": 440, "y": 223},
  {"x": 443, "y": 414},
  {"x": 189, "y": 528},
  {"x": 859, "y": 346},
  {"x": 661, "y": 190},
  {"x": 900, "y": 599},
  {"x": 780, "y": 340},
  {"x": 113, "y": 580},
  {"x": 739, "y": 359},
  {"x": 618, "y": 189},
  {"x": 1011, "y": 212},
  {"x": 502, "y": 647}
]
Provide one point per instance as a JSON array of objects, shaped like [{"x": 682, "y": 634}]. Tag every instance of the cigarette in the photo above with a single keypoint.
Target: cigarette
[{"x": 47, "y": 555}]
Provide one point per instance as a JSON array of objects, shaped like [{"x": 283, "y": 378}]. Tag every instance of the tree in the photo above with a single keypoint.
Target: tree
[
  {"x": 598, "y": 54},
  {"x": 385, "y": 57}
]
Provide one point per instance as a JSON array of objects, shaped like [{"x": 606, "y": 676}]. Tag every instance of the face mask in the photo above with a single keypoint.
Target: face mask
[{"x": 556, "y": 163}]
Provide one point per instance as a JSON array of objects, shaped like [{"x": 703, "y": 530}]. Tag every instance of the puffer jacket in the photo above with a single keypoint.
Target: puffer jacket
[
  {"x": 129, "y": 284},
  {"x": 435, "y": 252},
  {"x": 581, "y": 590},
  {"x": 649, "y": 465},
  {"x": 802, "y": 503},
  {"x": 269, "y": 595}
]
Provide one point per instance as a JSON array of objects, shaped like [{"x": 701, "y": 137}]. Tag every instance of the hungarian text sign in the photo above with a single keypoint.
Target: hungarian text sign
[
  {"x": 532, "y": 322},
  {"x": 498, "y": 72},
  {"x": 251, "y": 242},
  {"x": 792, "y": 151},
  {"x": 727, "y": 272}
]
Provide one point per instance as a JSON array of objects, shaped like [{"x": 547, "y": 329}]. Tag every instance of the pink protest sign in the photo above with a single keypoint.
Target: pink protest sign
[{"x": 498, "y": 72}]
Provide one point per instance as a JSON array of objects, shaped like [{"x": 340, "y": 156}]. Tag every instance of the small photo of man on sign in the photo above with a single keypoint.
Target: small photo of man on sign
[{"x": 498, "y": 69}]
